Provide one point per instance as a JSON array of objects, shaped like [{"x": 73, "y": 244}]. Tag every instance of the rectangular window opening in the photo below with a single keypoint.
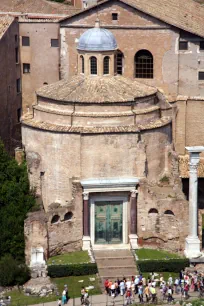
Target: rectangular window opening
[
  {"x": 18, "y": 85},
  {"x": 201, "y": 75},
  {"x": 202, "y": 45},
  {"x": 183, "y": 45},
  {"x": 19, "y": 114},
  {"x": 26, "y": 68},
  {"x": 114, "y": 16},
  {"x": 16, "y": 38},
  {"x": 17, "y": 55},
  {"x": 25, "y": 41},
  {"x": 54, "y": 43}
]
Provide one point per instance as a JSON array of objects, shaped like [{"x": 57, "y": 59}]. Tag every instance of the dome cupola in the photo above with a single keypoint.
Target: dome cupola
[
  {"x": 97, "y": 39},
  {"x": 96, "y": 51}
]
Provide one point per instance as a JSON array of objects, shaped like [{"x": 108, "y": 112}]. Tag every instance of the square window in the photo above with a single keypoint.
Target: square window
[
  {"x": 202, "y": 45},
  {"x": 26, "y": 68},
  {"x": 183, "y": 45},
  {"x": 201, "y": 75},
  {"x": 54, "y": 43},
  {"x": 18, "y": 85},
  {"x": 114, "y": 16},
  {"x": 26, "y": 41}
]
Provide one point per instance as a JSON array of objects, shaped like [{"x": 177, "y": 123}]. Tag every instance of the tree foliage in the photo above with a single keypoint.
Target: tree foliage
[
  {"x": 11, "y": 272},
  {"x": 15, "y": 202}
]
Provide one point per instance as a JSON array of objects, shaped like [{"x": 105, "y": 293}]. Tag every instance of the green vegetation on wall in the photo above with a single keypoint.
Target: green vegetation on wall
[{"x": 15, "y": 202}]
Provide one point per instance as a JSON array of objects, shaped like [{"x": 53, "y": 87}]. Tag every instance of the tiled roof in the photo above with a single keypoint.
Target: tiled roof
[
  {"x": 187, "y": 15},
  {"x": 93, "y": 129},
  {"x": 5, "y": 22},
  {"x": 36, "y": 6},
  {"x": 96, "y": 90}
]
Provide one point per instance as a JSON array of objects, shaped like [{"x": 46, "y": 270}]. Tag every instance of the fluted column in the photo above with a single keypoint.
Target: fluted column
[
  {"x": 133, "y": 220},
  {"x": 192, "y": 248},
  {"x": 86, "y": 228}
]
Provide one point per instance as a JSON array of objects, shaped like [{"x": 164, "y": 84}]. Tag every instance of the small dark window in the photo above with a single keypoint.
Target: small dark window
[
  {"x": 18, "y": 85},
  {"x": 68, "y": 216},
  {"x": 153, "y": 211},
  {"x": 183, "y": 45},
  {"x": 114, "y": 16},
  {"x": 144, "y": 65},
  {"x": 106, "y": 65},
  {"x": 54, "y": 43},
  {"x": 19, "y": 114},
  {"x": 201, "y": 75},
  {"x": 93, "y": 65},
  {"x": 17, "y": 55},
  {"x": 202, "y": 45},
  {"x": 55, "y": 219},
  {"x": 26, "y": 68},
  {"x": 82, "y": 63},
  {"x": 45, "y": 83},
  {"x": 119, "y": 59},
  {"x": 25, "y": 41},
  {"x": 169, "y": 212},
  {"x": 16, "y": 38}
]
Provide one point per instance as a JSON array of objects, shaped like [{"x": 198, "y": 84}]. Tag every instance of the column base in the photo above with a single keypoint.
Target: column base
[
  {"x": 86, "y": 243},
  {"x": 192, "y": 249},
  {"x": 133, "y": 241}
]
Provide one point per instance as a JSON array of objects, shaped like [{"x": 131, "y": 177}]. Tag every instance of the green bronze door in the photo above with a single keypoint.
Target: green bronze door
[{"x": 108, "y": 222}]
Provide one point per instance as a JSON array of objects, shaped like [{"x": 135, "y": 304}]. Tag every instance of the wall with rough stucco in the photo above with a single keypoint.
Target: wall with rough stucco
[
  {"x": 43, "y": 59},
  {"x": 10, "y": 100}
]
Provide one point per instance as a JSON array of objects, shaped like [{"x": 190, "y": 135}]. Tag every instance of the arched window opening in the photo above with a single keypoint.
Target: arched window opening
[
  {"x": 106, "y": 62},
  {"x": 169, "y": 212},
  {"x": 82, "y": 63},
  {"x": 119, "y": 59},
  {"x": 55, "y": 219},
  {"x": 153, "y": 211},
  {"x": 93, "y": 65},
  {"x": 68, "y": 216},
  {"x": 144, "y": 65}
]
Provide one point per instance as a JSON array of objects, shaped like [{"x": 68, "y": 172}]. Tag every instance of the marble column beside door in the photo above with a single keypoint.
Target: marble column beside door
[
  {"x": 86, "y": 227},
  {"x": 133, "y": 220},
  {"x": 192, "y": 248}
]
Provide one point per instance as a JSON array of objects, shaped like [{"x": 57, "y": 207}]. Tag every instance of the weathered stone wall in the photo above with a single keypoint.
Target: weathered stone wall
[
  {"x": 36, "y": 234},
  {"x": 43, "y": 59},
  {"x": 189, "y": 128},
  {"x": 10, "y": 100}
]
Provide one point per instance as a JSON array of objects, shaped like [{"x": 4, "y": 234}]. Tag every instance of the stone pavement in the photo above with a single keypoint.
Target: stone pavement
[{"x": 104, "y": 300}]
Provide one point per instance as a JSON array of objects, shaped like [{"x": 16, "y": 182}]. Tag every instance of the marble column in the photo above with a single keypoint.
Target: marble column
[
  {"x": 86, "y": 228},
  {"x": 192, "y": 248},
  {"x": 133, "y": 220}
]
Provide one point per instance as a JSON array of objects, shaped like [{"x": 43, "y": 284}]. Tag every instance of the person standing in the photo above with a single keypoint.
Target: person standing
[
  {"x": 140, "y": 292},
  {"x": 147, "y": 293},
  {"x": 106, "y": 286},
  {"x": 122, "y": 288}
]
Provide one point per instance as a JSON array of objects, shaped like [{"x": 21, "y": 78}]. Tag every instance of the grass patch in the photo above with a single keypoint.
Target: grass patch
[
  {"x": 155, "y": 254},
  {"x": 69, "y": 258},
  {"x": 19, "y": 299}
]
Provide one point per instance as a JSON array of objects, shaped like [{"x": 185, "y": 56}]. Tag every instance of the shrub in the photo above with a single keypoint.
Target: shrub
[
  {"x": 12, "y": 272},
  {"x": 171, "y": 265},
  {"x": 72, "y": 270}
]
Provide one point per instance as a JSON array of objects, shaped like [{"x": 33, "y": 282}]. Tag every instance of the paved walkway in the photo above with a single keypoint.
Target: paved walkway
[{"x": 104, "y": 300}]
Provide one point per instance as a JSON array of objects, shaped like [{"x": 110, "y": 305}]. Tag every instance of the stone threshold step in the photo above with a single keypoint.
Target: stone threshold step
[
  {"x": 104, "y": 277},
  {"x": 117, "y": 257},
  {"x": 118, "y": 267}
]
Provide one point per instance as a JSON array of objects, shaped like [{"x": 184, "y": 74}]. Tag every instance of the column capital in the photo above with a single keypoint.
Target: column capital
[
  {"x": 134, "y": 193},
  {"x": 193, "y": 167},
  {"x": 85, "y": 195}
]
